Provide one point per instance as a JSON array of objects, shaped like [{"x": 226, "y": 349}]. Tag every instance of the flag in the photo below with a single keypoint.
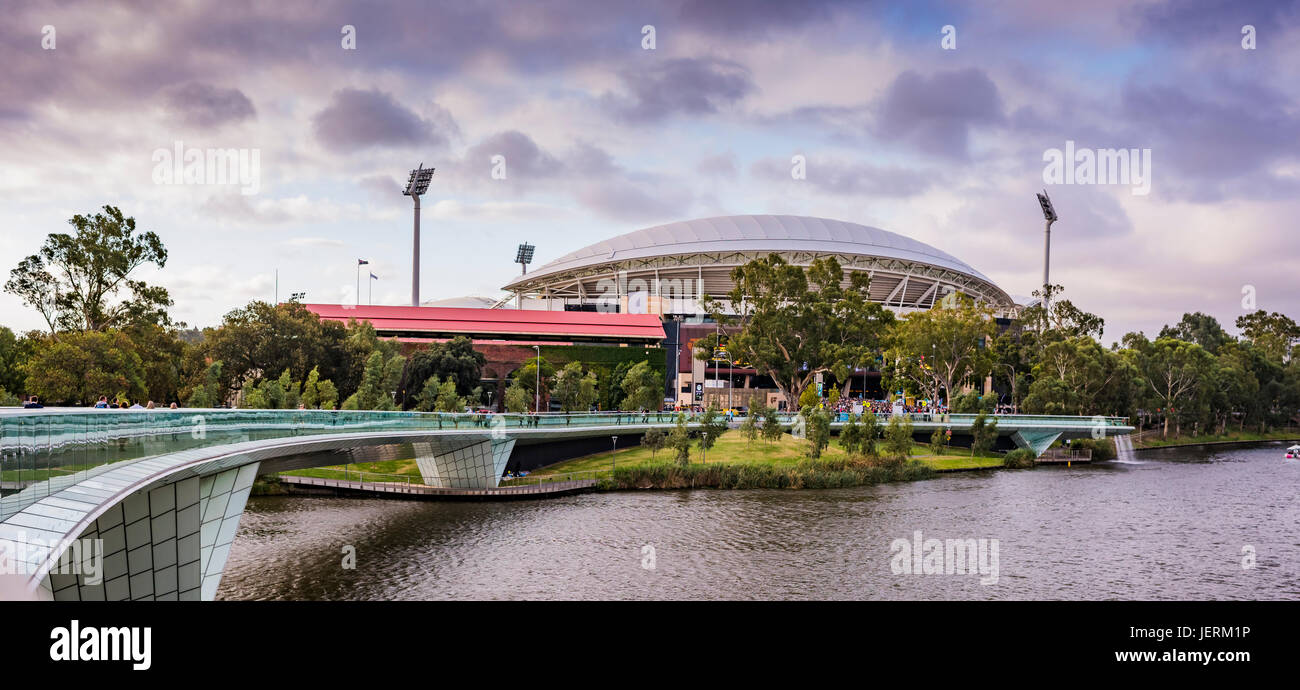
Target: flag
[
  {"x": 374, "y": 277},
  {"x": 362, "y": 262}
]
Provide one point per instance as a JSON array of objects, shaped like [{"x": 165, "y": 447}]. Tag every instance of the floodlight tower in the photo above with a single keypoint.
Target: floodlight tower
[
  {"x": 416, "y": 186},
  {"x": 523, "y": 257},
  {"x": 1049, "y": 214}
]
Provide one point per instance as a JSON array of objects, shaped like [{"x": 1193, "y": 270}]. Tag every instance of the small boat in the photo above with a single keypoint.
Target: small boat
[{"x": 1293, "y": 452}]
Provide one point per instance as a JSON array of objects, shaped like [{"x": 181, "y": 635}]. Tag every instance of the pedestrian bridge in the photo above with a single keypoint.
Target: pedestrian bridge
[{"x": 158, "y": 494}]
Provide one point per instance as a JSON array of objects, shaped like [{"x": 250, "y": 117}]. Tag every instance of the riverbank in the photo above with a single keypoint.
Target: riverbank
[
  {"x": 732, "y": 462},
  {"x": 1218, "y": 439}
]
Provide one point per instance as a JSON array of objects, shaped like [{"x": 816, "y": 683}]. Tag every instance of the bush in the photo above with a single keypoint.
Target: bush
[
  {"x": 1019, "y": 458},
  {"x": 937, "y": 441}
]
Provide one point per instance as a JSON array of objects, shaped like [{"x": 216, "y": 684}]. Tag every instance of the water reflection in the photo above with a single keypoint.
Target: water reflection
[{"x": 1169, "y": 526}]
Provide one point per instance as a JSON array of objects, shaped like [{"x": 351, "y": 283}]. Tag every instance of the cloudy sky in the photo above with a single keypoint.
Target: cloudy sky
[{"x": 900, "y": 127}]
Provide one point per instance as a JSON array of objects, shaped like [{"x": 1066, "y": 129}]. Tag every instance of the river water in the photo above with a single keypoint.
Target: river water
[{"x": 1175, "y": 524}]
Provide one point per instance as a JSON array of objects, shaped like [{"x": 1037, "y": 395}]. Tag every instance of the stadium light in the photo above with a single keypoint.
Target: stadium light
[
  {"x": 524, "y": 256},
  {"x": 416, "y": 186},
  {"x": 1049, "y": 214}
]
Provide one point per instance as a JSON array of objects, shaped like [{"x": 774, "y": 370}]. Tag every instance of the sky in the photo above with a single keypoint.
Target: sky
[{"x": 934, "y": 120}]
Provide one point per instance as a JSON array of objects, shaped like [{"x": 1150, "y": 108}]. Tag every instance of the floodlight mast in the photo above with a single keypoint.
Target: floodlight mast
[
  {"x": 1049, "y": 214},
  {"x": 523, "y": 257},
  {"x": 417, "y": 185}
]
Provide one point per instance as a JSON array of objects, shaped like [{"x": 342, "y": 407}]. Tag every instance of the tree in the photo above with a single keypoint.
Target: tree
[
  {"x": 1274, "y": 334},
  {"x": 207, "y": 393},
  {"x": 869, "y": 431},
  {"x": 809, "y": 400},
  {"x": 983, "y": 431},
  {"x": 796, "y": 323},
  {"x": 78, "y": 368},
  {"x": 526, "y": 377},
  {"x": 455, "y": 359},
  {"x": 574, "y": 389},
  {"x": 378, "y": 384},
  {"x": 518, "y": 399},
  {"x": 749, "y": 427},
  {"x": 1202, "y": 329},
  {"x": 75, "y": 280},
  {"x": 937, "y": 349},
  {"x": 818, "y": 433},
  {"x": 850, "y": 435},
  {"x": 318, "y": 393},
  {"x": 448, "y": 400},
  {"x": 654, "y": 439},
  {"x": 771, "y": 425},
  {"x": 938, "y": 440},
  {"x": 712, "y": 425},
  {"x": 679, "y": 439},
  {"x": 1078, "y": 376},
  {"x": 1060, "y": 318},
  {"x": 1172, "y": 370},
  {"x": 642, "y": 387},
  {"x": 261, "y": 339},
  {"x": 427, "y": 400},
  {"x": 14, "y": 352},
  {"x": 327, "y": 396},
  {"x": 898, "y": 437}
]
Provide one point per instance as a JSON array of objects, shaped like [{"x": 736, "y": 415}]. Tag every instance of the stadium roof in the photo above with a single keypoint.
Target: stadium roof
[
  {"x": 750, "y": 233},
  {"x": 498, "y": 324}
]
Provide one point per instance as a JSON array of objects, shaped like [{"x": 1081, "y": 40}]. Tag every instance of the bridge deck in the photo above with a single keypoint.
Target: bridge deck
[{"x": 418, "y": 491}]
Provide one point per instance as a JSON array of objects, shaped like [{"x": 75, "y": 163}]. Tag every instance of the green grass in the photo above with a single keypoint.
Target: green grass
[
  {"x": 733, "y": 449},
  {"x": 1218, "y": 438},
  {"x": 739, "y": 463}
]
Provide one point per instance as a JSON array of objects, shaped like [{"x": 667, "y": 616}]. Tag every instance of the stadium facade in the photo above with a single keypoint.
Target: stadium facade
[{"x": 665, "y": 269}]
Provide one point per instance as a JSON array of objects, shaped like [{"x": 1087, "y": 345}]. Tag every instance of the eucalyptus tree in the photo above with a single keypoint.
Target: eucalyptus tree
[
  {"x": 795, "y": 323},
  {"x": 941, "y": 348}
]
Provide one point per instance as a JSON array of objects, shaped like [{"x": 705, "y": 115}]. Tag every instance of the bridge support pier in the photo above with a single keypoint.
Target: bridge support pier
[
  {"x": 165, "y": 543},
  {"x": 1037, "y": 441},
  {"x": 465, "y": 465}
]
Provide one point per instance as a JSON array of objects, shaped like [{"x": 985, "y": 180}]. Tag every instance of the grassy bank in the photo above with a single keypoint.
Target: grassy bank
[
  {"x": 732, "y": 463},
  {"x": 732, "y": 448},
  {"x": 1241, "y": 436},
  {"x": 809, "y": 474}
]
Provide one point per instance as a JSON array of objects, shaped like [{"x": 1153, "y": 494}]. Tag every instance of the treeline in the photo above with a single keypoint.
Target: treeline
[{"x": 799, "y": 323}]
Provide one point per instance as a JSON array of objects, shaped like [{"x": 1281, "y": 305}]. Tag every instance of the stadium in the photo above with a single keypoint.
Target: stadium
[
  {"x": 664, "y": 269},
  {"x": 639, "y": 296}
]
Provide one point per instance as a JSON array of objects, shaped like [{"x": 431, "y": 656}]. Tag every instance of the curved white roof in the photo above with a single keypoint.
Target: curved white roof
[{"x": 755, "y": 233}]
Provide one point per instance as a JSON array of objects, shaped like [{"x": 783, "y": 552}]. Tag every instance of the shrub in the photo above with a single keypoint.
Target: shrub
[
  {"x": 937, "y": 442},
  {"x": 1019, "y": 458}
]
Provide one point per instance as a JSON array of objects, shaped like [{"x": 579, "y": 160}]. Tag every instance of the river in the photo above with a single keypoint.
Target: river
[{"x": 1176, "y": 524}]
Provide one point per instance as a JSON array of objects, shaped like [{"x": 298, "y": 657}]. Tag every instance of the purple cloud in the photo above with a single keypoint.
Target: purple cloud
[
  {"x": 681, "y": 86},
  {"x": 935, "y": 114},
  {"x": 206, "y": 105},
  {"x": 357, "y": 119}
]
